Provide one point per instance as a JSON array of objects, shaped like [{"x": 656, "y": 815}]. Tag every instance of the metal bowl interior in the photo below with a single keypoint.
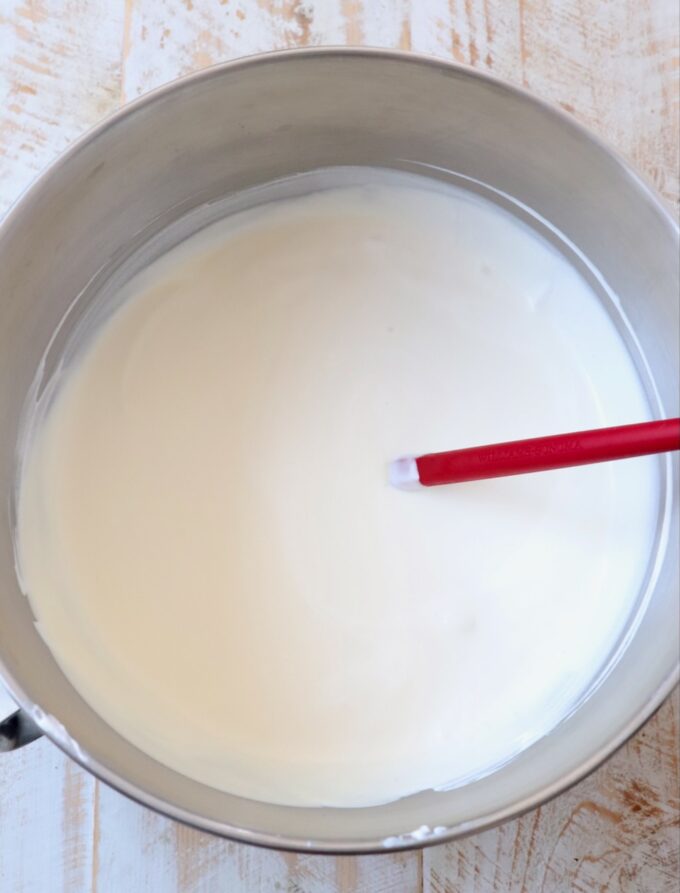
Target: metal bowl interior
[{"x": 190, "y": 145}]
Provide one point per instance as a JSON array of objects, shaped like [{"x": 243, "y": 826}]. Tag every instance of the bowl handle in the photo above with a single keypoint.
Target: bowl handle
[{"x": 16, "y": 730}]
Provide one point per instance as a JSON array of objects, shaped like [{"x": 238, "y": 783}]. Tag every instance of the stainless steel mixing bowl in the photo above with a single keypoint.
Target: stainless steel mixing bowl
[{"x": 255, "y": 120}]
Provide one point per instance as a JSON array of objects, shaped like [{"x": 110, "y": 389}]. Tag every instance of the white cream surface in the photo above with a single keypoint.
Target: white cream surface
[{"x": 212, "y": 550}]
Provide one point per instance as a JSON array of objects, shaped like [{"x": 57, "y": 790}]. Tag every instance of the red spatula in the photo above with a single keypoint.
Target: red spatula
[{"x": 536, "y": 454}]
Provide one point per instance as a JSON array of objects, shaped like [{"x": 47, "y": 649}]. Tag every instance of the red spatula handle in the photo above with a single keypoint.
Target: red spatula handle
[{"x": 547, "y": 453}]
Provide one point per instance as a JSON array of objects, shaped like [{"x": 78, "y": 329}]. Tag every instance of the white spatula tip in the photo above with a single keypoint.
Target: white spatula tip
[{"x": 403, "y": 474}]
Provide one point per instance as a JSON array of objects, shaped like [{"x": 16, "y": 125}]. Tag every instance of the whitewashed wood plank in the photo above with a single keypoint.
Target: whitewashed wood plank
[
  {"x": 133, "y": 847},
  {"x": 167, "y": 38},
  {"x": 59, "y": 75},
  {"x": 614, "y": 65},
  {"x": 170, "y": 38},
  {"x": 46, "y": 820}
]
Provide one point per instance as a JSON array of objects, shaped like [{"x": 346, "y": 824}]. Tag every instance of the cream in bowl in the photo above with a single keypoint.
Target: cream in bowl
[{"x": 210, "y": 545}]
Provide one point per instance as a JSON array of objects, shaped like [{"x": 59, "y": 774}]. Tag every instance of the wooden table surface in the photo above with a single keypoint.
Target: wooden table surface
[{"x": 613, "y": 64}]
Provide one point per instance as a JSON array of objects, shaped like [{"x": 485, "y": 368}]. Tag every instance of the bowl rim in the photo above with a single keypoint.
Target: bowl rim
[{"x": 53, "y": 731}]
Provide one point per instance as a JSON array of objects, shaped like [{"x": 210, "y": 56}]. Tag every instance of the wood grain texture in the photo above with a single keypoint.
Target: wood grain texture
[
  {"x": 59, "y": 74},
  {"x": 613, "y": 64}
]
